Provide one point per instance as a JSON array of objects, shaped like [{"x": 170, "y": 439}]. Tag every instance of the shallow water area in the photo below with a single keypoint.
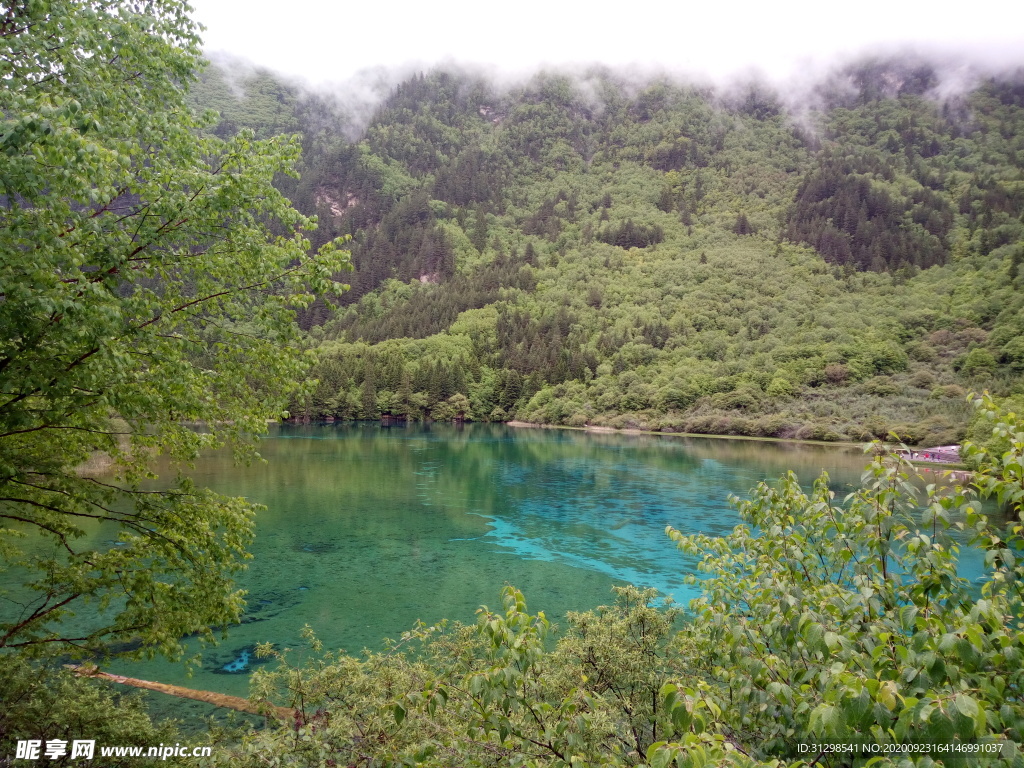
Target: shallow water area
[{"x": 368, "y": 529}]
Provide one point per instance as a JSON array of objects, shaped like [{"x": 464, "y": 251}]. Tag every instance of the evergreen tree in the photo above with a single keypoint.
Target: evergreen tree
[
  {"x": 742, "y": 226},
  {"x": 479, "y": 236}
]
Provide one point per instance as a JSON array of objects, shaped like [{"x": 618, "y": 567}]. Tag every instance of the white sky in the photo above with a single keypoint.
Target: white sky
[{"x": 324, "y": 41}]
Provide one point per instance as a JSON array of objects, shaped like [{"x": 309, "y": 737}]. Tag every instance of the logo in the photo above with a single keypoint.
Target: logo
[{"x": 33, "y": 749}]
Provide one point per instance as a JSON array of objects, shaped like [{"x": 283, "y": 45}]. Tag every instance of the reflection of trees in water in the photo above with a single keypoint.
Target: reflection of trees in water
[
  {"x": 357, "y": 469},
  {"x": 460, "y": 449}
]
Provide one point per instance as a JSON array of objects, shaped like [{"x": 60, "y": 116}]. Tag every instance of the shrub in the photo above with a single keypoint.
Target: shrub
[
  {"x": 907, "y": 433},
  {"x": 980, "y": 433},
  {"x": 978, "y": 362},
  {"x": 859, "y": 433},
  {"x": 709, "y": 424},
  {"x": 888, "y": 358},
  {"x": 818, "y": 432},
  {"x": 877, "y": 426},
  {"x": 744, "y": 427},
  {"x": 781, "y": 387},
  {"x": 739, "y": 399},
  {"x": 922, "y": 351},
  {"x": 922, "y": 379},
  {"x": 578, "y": 419},
  {"x": 937, "y": 430},
  {"x": 881, "y": 386},
  {"x": 769, "y": 426},
  {"x": 40, "y": 703},
  {"x": 949, "y": 391},
  {"x": 1012, "y": 353},
  {"x": 677, "y": 397},
  {"x": 836, "y": 373}
]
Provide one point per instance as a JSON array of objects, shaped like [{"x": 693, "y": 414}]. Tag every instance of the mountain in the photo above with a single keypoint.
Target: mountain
[{"x": 662, "y": 255}]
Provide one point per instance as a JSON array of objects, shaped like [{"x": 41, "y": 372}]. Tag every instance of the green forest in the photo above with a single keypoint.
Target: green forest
[
  {"x": 188, "y": 252},
  {"x": 664, "y": 256}
]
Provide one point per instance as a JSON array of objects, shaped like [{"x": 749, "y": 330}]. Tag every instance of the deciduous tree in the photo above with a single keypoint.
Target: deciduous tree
[{"x": 148, "y": 272}]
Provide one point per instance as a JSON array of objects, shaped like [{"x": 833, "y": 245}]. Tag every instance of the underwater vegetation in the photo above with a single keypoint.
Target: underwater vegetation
[
  {"x": 316, "y": 547},
  {"x": 241, "y": 662}
]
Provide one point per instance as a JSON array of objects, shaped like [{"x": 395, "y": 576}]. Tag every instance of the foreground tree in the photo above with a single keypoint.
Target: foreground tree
[{"x": 148, "y": 273}]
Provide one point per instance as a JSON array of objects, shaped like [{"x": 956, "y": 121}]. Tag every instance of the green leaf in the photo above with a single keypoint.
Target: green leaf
[
  {"x": 681, "y": 717},
  {"x": 966, "y": 706},
  {"x": 658, "y": 756}
]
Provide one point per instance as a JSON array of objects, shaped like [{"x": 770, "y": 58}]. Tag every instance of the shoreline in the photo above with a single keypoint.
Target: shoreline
[{"x": 934, "y": 465}]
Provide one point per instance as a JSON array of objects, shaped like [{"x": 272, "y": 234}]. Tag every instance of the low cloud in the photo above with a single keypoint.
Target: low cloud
[{"x": 931, "y": 71}]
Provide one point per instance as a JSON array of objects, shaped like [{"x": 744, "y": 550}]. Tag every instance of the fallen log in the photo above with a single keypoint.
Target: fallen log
[{"x": 217, "y": 699}]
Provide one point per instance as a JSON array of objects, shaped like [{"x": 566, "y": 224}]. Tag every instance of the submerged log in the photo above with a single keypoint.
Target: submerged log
[{"x": 217, "y": 699}]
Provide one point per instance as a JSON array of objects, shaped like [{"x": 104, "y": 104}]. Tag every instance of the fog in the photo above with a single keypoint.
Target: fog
[
  {"x": 329, "y": 42},
  {"x": 931, "y": 72}
]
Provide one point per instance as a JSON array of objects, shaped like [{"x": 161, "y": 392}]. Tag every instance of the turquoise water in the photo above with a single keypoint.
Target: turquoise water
[{"x": 368, "y": 529}]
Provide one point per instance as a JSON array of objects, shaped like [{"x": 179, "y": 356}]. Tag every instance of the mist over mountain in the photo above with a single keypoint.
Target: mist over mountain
[{"x": 835, "y": 260}]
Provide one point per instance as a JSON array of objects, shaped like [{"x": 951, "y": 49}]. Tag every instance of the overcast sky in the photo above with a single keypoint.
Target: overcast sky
[{"x": 329, "y": 41}]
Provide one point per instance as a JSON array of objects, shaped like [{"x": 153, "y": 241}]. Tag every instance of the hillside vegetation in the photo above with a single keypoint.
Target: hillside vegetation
[{"x": 665, "y": 256}]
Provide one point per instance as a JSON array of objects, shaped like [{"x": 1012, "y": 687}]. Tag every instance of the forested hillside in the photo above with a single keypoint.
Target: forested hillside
[{"x": 666, "y": 256}]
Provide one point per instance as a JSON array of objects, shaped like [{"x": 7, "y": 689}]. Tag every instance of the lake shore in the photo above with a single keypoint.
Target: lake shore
[{"x": 960, "y": 470}]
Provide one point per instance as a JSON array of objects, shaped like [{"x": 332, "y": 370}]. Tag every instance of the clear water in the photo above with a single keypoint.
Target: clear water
[{"x": 368, "y": 529}]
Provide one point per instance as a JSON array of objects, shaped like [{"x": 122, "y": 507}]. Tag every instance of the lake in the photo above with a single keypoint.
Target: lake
[{"x": 370, "y": 528}]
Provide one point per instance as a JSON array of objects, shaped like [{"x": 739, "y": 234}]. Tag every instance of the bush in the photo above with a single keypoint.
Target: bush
[
  {"x": 578, "y": 419},
  {"x": 781, "y": 387},
  {"x": 877, "y": 426},
  {"x": 922, "y": 351},
  {"x": 1012, "y": 354},
  {"x": 41, "y": 703},
  {"x": 709, "y": 424},
  {"x": 937, "y": 430},
  {"x": 922, "y": 380},
  {"x": 836, "y": 373},
  {"x": 677, "y": 397},
  {"x": 980, "y": 433},
  {"x": 949, "y": 391},
  {"x": 770, "y": 426},
  {"x": 880, "y": 386},
  {"x": 978, "y": 362},
  {"x": 888, "y": 358},
  {"x": 859, "y": 433},
  {"x": 739, "y": 399},
  {"x": 743, "y": 427},
  {"x": 818, "y": 432},
  {"x": 907, "y": 433}
]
